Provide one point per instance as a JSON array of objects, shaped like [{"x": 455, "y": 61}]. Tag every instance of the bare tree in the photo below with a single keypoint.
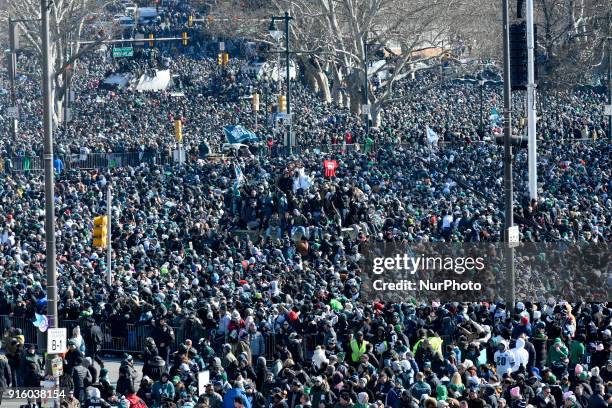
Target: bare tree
[
  {"x": 70, "y": 21},
  {"x": 572, "y": 35}
]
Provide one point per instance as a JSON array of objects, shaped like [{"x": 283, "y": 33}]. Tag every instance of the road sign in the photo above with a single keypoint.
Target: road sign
[
  {"x": 285, "y": 118},
  {"x": 123, "y": 52},
  {"x": 608, "y": 110},
  {"x": 12, "y": 112},
  {"x": 513, "y": 236},
  {"x": 221, "y": 45},
  {"x": 56, "y": 340}
]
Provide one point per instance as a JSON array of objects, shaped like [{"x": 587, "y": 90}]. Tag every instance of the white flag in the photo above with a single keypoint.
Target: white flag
[
  {"x": 240, "y": 179},
  {"x": 432, "y": 137}
]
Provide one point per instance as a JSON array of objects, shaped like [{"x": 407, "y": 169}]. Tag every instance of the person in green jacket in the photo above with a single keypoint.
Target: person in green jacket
[
  {"x": 557, "y": 353},
  {"x": 162, "y": 389},
  {"x": 441, "y": 393},
  {"x": 577, "y": 350}
]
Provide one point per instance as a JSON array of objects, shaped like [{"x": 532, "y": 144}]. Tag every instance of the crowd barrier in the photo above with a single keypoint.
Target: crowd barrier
[
  {"x": 130, "y": 338},
  {"x": 86, "y": 161}
]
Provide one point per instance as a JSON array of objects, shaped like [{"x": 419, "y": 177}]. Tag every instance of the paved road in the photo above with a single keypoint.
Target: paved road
[{"x": 113, "y": 371}]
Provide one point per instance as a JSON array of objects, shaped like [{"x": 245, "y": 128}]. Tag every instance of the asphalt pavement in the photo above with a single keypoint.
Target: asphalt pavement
[{"x": 112, "y": 364}]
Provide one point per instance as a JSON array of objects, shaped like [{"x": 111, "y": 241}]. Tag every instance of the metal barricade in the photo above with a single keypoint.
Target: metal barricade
[
  {"x": 27, "y": 163},
  {"x": 89, "y": 161},
  {"x": 309, "y": 342},
  {"x": 270, "y": 345},
  {"x": 28, "y": 330},
  {"x": 130, "y": 338}
]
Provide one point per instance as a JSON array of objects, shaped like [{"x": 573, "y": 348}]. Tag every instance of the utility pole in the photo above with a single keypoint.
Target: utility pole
[
  {"x": 276, "y": 34},
  {"x": 531, "y": 108},
  {"x": 67, "y": 78},
  {"x": 289, "y": 128},
  {"x": 609, "y": 86},
  {"x": 12, "y": 71},
  {"x": 366, "y": 102},
  {"x": 509, "y": 215},
  {"x": 481, "y": 82},
  {"x": 109, "y": 247},
  {"x": 49, "y": 180}
]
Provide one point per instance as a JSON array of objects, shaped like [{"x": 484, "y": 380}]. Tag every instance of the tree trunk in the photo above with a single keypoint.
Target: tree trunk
[
  {"x": 310, "y": 79},
  {"x": 356, "y": 92},
  {"x": 316, "y": 79},
  {"x": 376, "y": 111},
  {"x": 336, "y": 93},
  {"x": 323, "y": 83}
]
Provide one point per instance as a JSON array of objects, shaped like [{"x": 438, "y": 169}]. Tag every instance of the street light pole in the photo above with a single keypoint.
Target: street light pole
[
  {"x": 532, "y": 161},
  {"x": 276, "y": 35},
  {"x": 508, "y": 187},
  {"x": 481, "y": 130},
  {"x": 109, "y": 245},
  {"x": 366, "y": 115},
  {"x": 12, "y": 68},
  {"x": 49, "y": 184},
  {"x": 289, "y": 128},
  {"x": 609, "y": 86}
]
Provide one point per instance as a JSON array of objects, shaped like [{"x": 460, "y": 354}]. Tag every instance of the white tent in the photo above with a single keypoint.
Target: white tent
[{"x": 159, "y": 82}]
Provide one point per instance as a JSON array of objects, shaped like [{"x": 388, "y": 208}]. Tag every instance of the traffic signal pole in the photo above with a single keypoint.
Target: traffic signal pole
[
  {"x": 12, "y": 71},
  {"x": 289, "y": 128},
  {"x": 531, "y": 108},
  {"x": 366, "y": 115},
  {"x": 49, "y": 184},
  {"x": 109, "y": 247},
  {"x": 508, "y": 187},
  {"x": 609, "y": 86}
]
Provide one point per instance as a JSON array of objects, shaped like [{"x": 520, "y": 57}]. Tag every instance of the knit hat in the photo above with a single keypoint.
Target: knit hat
[{"x": 362, "y": 397}]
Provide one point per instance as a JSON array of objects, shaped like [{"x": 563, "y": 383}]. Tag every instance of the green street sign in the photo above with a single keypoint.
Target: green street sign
[{"x": 123, "y": 52}]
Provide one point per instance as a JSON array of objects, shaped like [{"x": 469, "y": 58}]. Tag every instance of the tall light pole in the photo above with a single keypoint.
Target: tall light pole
[
  {"x": 49, "y": 176},
  {"x": 109, "y": 245},
  {"x": 12, "y": 70},
  {"x": 531, "y": 108},
  {"x": 366, "y": 102},
  {"x": 508, "y": 188},
  {"x": 481, "y": 82},
  {"x": 275, "y": 34},
  {"x": 609, "y": 86}
]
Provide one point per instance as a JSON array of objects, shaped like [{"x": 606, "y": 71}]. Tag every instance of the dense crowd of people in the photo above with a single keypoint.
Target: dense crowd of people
[{"x": 257, "y": 260}]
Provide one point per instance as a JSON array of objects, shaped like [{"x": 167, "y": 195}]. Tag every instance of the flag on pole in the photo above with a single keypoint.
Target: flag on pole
[{"x": 432, "y": 137}]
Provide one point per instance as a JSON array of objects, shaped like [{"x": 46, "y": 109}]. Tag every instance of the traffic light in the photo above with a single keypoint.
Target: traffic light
[
  {"x": 220, "y": 58},
  {"x": 255, "y": 102},
  {"x": 151, "y": 43},
  {"x": 190, "y": 21},
  {"x": 184, "y": 36},
  {"x": 225, "y": 58},
  {"x": 100, "y": 231},
  {"x": 518, "y": 55},
  {"x": 516, "y": 141},
  {"x": 178, "y": 130},
  {"x": 282, "y": 103}
]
